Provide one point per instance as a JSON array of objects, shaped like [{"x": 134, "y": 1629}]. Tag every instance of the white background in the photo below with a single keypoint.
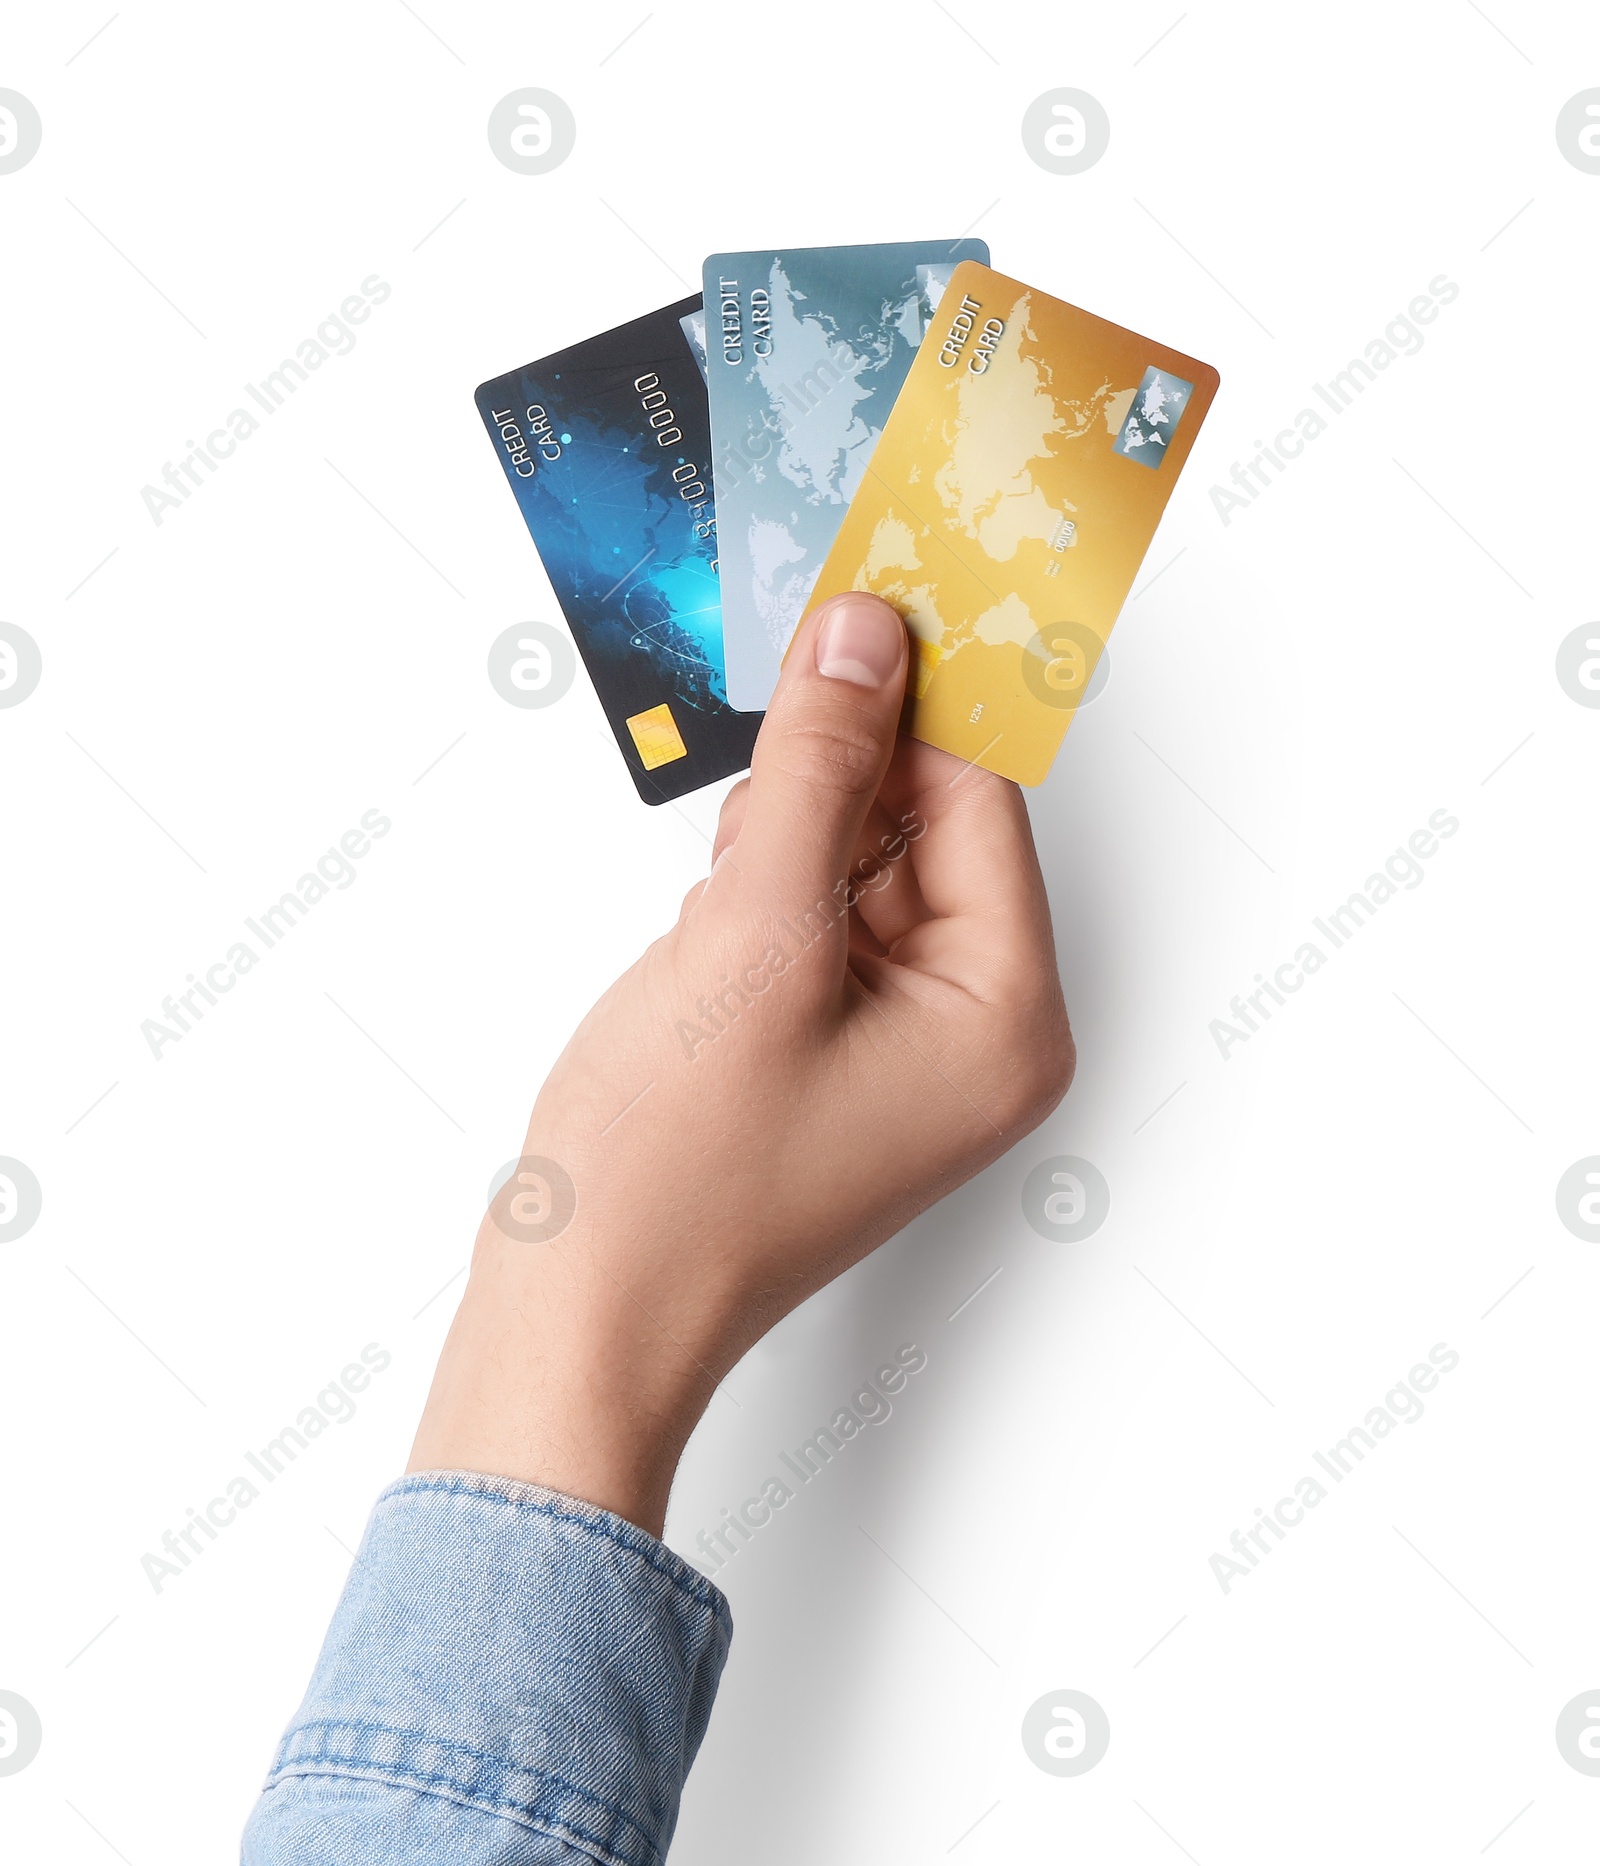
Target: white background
[{"x": 305, "y": 640}]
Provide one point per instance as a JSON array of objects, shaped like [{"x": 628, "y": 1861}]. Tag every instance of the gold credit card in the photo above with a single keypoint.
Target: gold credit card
[{"x": 1008, "y": 505}]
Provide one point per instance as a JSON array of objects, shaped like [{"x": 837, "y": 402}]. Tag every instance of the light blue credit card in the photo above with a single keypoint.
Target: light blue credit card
[{"x": 805, "y": 352}]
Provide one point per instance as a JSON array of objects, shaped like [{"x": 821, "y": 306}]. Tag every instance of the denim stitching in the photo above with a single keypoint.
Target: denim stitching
[
  {"x": 345, "y": 1769},
  {"x": 321, "y": 1755},
  {"x": 691, "y": 1585}
]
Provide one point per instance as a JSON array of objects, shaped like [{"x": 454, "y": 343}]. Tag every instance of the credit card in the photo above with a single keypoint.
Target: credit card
[
  {"x": 1007, "y": 508},
  {"x": 806, "y": 349},
  {"x": 694, "y": 328},
  {"x": 607, "y": 447}
]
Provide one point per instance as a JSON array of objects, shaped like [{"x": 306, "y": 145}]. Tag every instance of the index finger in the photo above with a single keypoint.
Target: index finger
[{"x": 973, "y": 853}]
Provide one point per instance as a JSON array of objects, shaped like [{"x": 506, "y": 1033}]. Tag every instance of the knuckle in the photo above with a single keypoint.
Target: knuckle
[
  {"x": 733, "y": 807},
  {"x": 1042, "y": 1059},
  {"x": 831, "y": 752},
  {"x": 1057, "y": 1065}
]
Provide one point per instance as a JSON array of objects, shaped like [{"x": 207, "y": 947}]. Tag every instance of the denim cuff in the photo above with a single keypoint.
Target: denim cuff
[{"x": 516, "y": 1651}]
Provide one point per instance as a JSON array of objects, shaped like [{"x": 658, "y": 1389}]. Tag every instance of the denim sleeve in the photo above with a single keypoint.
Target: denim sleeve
[{"x": 511, "y": 1676}]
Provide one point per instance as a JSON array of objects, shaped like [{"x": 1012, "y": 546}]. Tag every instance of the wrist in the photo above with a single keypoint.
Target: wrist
[{"x": 555, "y": 1373}]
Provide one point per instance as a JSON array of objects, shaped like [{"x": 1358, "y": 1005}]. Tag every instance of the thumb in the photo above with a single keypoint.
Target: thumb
[{"x": 825, "y": 745}]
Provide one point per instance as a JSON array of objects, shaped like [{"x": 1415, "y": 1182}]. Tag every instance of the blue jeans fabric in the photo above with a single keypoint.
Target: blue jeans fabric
[{"x": 511, "y": 1676}]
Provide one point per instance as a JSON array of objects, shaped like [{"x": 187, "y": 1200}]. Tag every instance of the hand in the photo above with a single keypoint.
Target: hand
[{"x": 857, "y": 1011}]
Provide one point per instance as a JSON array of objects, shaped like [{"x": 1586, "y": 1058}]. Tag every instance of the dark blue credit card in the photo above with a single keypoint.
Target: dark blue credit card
[{"x": 607, "y": 447}]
